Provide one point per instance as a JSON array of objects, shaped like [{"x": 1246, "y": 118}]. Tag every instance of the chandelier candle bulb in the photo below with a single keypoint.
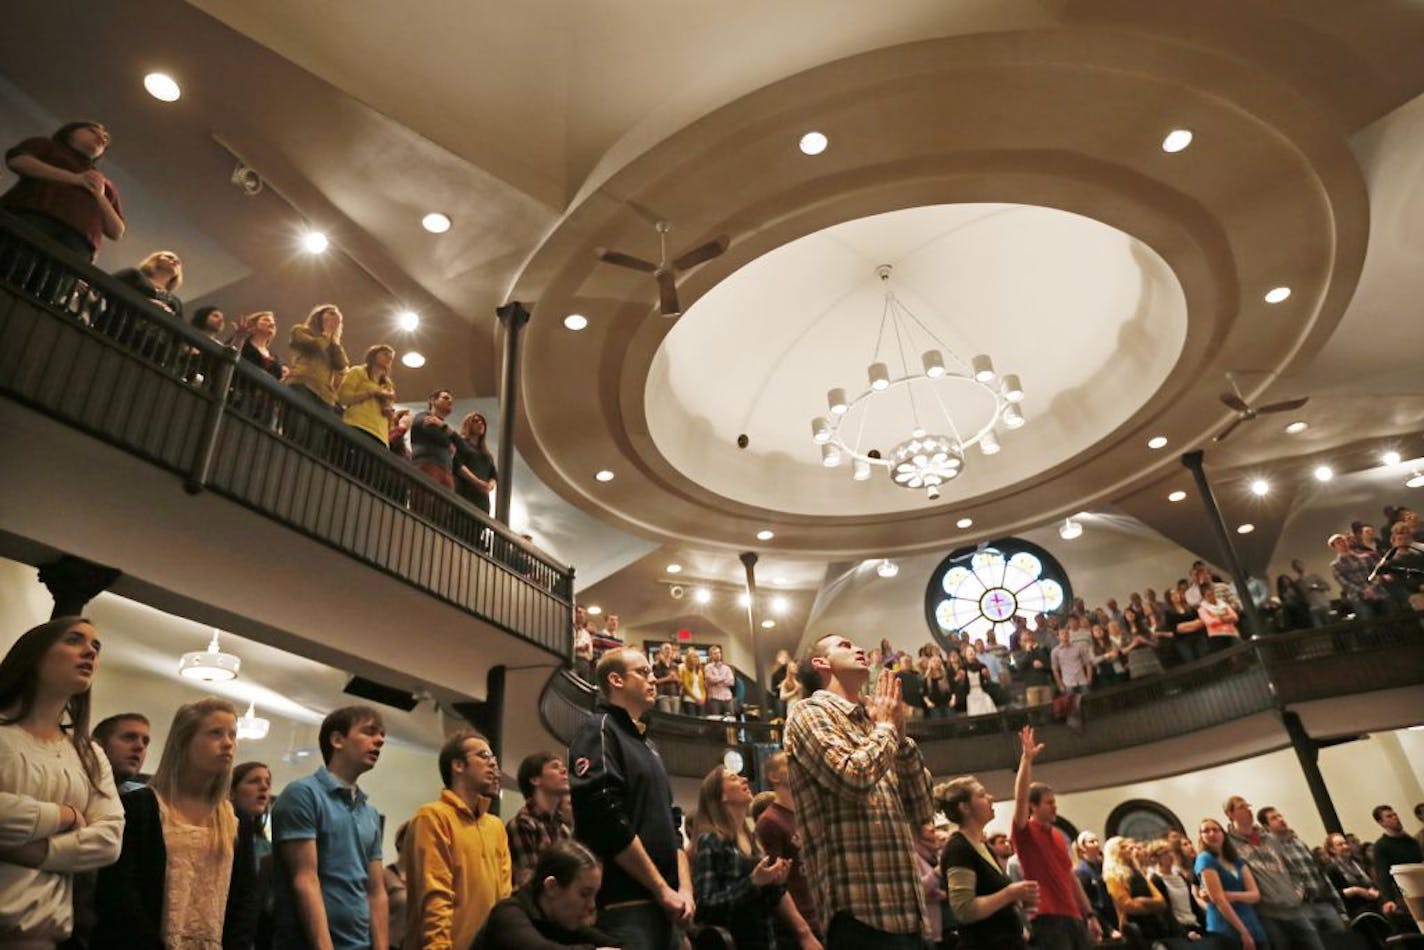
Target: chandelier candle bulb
[
  {"x": 989, "y": 445},
  {"x": 983, "y": 368},
  {"x": 1013, "y": 389},
  {"x": 836, "y": 400},
  {"x": 820, "y": 430},
  {"x": 933, "y": 361},
  {"x": 879, "y": 375}
]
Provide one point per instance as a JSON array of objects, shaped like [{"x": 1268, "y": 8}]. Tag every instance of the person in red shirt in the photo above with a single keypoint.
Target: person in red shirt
[
  {"x": 1063, "y": 919},
  {"x": 61, "y": 193}
]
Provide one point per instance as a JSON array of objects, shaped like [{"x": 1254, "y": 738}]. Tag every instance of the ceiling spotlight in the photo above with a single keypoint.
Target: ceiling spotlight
[
  {"x": 779, "y": 605},
  {"x": 765, "y": 534},
  {"x": 603, "y": 475},
  {"x": 1157, "y": 442},
  {"x": 702, "y": 595},
  {"x": 814, "y": 143},
  {"x": 989, "y": 444},
  {"x": 1277, "y": 294},
  {"x": 1177, "y": 140},
  {"x": 1013, "y": 417},
  {"x": 412, "y": 359},
  {"x": 1390, "y": 458},
  {"x": 830, "y": 455},
  {"x": 983, "y": 368},
  {"x": 744, "y": 599},
  {"x": 932, "y": 492},
  {"x": 595, "y": 610},
  {"x": 1245, "y": 528},
  {"x": 768, "y": 623},
  {"x": 964, "y": 523},
  {"x": 933, "y": 361},
  {"x": 1323, "y": 473},
  {"x": 408, "y": 320},
  {"x": 314, "y": 242},
  {"x": 1070, "y": 529},
  {"x": 1013, "y": 389},
  {"x": 1260, "y": 487},
  {"x": 887, "y": 568},
  {"x": 1297, "y": 427},
  {"x": 674, "y": 568},
  {"x": 1415, "y": 481},
  {"x": 860, "y": 470},
  {"x": 162, "y": 87},
  {"x": 435, "y": 222},
  {"x": 210, "y": 665},
  {"x": 575, "y": 321},
  {"x": 1177, "y": 496},
  {"x": 836, "y": 401},
  {"x": 879, "y": 375}
]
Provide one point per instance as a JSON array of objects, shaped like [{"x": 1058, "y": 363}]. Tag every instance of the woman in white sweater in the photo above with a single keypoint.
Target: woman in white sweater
[{"x": 59, "y": 811}]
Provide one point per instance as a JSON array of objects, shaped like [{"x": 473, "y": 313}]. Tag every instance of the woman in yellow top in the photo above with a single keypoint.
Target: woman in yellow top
[
  {"x": 1136, "y": 898},
  {"x": 694, "y": 688},
  {"x": 369, "y": 395},
  {"x": 318, "y": 361}
]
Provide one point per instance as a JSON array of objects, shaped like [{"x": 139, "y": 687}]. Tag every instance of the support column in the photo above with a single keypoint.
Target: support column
[
  {"x": 1308, "y": 753},
  {"x": 1193, "y": 462},
  {"x": 749, "y": 560},
  {"x": 514, "y": 315},
  {"x": 73, "y": 582},
  {"x": 487, "y": 715}
]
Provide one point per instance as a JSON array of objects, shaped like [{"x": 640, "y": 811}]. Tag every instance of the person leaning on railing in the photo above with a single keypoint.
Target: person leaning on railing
[
  {"x": 318, "y": 360},
  {"x": 61, "y": 193},
  {"x": 368, "y": 394}
]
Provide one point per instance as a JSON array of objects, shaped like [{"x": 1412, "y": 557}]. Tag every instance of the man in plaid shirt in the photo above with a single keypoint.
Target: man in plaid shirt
[
  {"x": 544, "y": 782},
  {"x": 1319, "y": 899},
  {"x": 1352, "y": 572},
  {"x": 860, "y": 788}
]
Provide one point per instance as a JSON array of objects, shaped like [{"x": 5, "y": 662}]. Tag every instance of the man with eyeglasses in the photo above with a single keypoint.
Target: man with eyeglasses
[{"x": 456, "y": 853}]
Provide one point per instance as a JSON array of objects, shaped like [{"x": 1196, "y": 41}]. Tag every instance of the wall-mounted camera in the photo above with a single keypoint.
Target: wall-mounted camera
[
  {"x": 743, "y": 441},
  {"x": 246, "y": 180},
  {"x": 676, "y": 591}
]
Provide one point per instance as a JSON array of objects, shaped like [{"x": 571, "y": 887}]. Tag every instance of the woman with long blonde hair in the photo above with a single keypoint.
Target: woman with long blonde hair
[
  {"x": 694, "y": 686},
  {"x": 734, "y": 884},
  {"x": 182, "y": 856},
  {"x": 1136, "y": 898}
]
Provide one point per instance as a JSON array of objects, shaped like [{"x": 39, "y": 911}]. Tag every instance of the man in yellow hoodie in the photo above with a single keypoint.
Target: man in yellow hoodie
[{"x": 456, "y": 853}]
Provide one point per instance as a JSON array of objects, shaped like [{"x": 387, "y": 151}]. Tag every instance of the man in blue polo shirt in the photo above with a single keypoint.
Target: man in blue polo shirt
[{"x": 331, "y": 893}]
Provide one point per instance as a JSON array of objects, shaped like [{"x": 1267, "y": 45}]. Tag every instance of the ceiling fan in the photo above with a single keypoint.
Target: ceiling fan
[
  {"x": 665, "y": 272},
  {"x": 1245, "y": 412}
]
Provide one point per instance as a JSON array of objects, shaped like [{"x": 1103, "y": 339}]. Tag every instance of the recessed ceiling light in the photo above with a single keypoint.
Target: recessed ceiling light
[
  {"x": 604, "y": 475},
  {"x": 779, "y": 605},
  {"x": 1277, "y": 294},
  {"x": 314, "y": 242},
  {"x": 779, "y": 581},
  {"x": 435, "y": 222},
  {"x": 1177, "y": 496},
  {"x": 595, "y": 609},
  {"x": 408, "y": 320},
  {"x": 575, "y": 321},
  {"x": 1323, "y": 473},
  {"x": 1260, "y": 487},
  {"x": 1157, "y": 442},
  {"x": 1297, "y": 427},
  {"x": 744, "y": 599},
  {"x": 1415, "y": 481},
  {"x": 412, "y": 359},
  {"x": 768, "y": 624},
  {"x": 814, "y": 143},
  {"x": 1176, "y": 140},
  {"x": 964, "y": 523},
  {"x": 162, "y": 87},
  {"x": 1245, "y": 528},
  {"x": 674, "y": 568},
  {"x": 1390, "y": 458},
  {"x": 702, "y": 595},
  {"x": 765, "y": 535}
]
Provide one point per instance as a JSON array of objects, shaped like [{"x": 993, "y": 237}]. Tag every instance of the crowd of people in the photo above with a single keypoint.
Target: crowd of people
[
  {"x": 61, "y": 193},
  {"x": 844, "y": 849}
]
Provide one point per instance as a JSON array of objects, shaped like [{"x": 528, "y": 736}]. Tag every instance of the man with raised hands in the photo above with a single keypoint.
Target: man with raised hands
[{"x": 861, "y": 790}]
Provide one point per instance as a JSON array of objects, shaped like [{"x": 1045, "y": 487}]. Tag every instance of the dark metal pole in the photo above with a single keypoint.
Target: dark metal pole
[
  {"x": 514, "y": 315},
  {"x": 197, "y": 478},
  {"x": 749, "y": 560},
  {"x": 73, "y": 582},
  {"x": 1309, "y": 753},
  {"x": 1193, "y": 462}
]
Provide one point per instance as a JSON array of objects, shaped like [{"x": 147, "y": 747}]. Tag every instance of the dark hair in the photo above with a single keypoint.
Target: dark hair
[
  {"x": 378, "y": 348},
  {"x": 1036, "y": 791},
  {"x": 19, "y": 682},
  {"x": 530, "y": 769},
  {"x": 454, "y": 750},
  {"x": 63, "y": 133},
  {"x": 200, "y": 316},
  {"x": 562, "y": 860},
  {"x": 239, "y": 771},
  {"x": 1380, "y": 810},
  {"x": 951, "y": 797},
  {"x": 1228, "y": 847},
  {"x": 430, "y": 400},
  {"x": 343, "y": 720},
  {"x": 1263, "y": 813},
  {"x": 110, "y": 725}
]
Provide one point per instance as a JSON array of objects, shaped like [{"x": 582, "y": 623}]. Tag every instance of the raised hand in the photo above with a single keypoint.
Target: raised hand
[{"x": 1031, "y": 747}]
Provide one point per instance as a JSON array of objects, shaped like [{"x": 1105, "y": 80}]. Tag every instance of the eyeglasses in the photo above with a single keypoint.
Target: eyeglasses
[{"x": 485, "y": 754}]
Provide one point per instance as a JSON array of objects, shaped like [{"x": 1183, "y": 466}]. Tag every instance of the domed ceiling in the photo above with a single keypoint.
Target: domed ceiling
[{"x": 1090, "y": 319}]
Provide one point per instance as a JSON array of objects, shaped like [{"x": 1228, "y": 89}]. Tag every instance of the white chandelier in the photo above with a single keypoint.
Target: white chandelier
[
  {"x": 210, "y": 665},
  {"x": 252, "y": 726},
  {"x": 933, "y": 449}
]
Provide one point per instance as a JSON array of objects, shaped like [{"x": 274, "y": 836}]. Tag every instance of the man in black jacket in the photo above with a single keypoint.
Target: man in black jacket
[
  {"x": 623, "y": 810},
  {"x": 1395, "y": 846}
]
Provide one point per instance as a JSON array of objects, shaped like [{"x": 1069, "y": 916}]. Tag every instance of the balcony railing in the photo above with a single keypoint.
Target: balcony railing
[
  {"x": 1255, "y": 677},
  {"x": 84, "y": 349}
]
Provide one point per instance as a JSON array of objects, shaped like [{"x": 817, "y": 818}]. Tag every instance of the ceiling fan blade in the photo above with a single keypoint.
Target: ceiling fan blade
[
  {"x": 703, "y": 252},
  {"x": 667, "y": 293},
  {"x": 625, "y": 260},
  {"x": 1221, "y": 436},
  {"x": 1235, "y": 402},
  {"x": 1286, "y": 406}
]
